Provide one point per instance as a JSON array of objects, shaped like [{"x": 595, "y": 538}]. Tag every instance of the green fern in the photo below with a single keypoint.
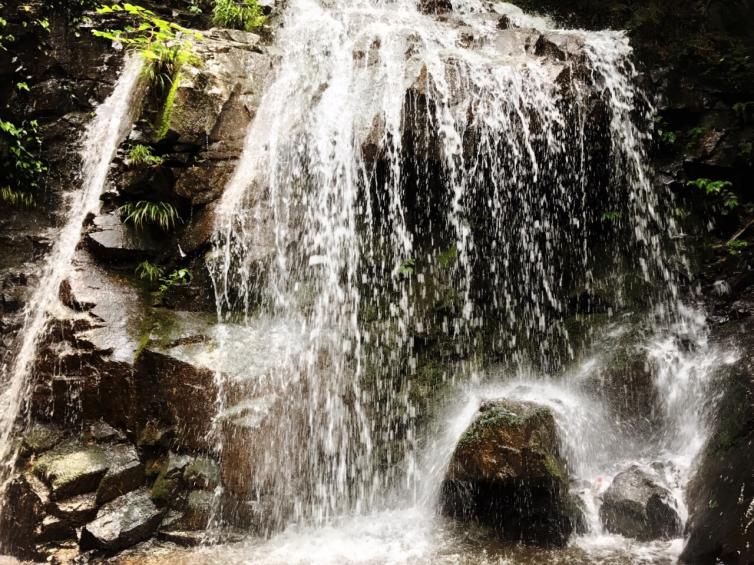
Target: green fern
[
  {"x": 16, "y": 197},
  {"x": 245, "y": 15},
  {"x": 162, "y": 214},
  {"x": 147, "y": 271},
  {"x": 142, "y": 155}
]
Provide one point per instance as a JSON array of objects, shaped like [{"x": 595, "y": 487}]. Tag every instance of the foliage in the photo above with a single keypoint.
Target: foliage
[
  {"x": 448, "y": 257},
  {"x": 142, "y": 155},
  {"x": 165, "y": 46},
  {"x": 15, "y": 197},
  {"x": 720, "y": 188},
  {"x": 610, "y": 216},
  {"x": 167, "y": 109},
  {"x": 245, "y": 15},
  {"x": 19, "y": 162},
  {"x": 5, "y": 38},
  {"x": 162, "y": 214},
  {"x": 177, "y": 277},
  {"x": 150, "y": 272},
  {"x": 736, "y": 246},
  {"x": 407, "y": 267},
  {"x": 668, "y": 137}
]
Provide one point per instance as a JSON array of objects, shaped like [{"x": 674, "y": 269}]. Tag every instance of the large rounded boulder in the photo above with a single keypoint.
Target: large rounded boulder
[
  {"x": 507, "y": 473},
  {"x": 637, "y": 506}
]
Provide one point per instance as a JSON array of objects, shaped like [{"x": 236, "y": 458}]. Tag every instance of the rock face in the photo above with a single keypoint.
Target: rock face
[
  {"x": 720, "y": 496},
  {"x": 122, "y": 523},
  {"x": 637, "y": 506},
  {"x": 28, "y": 500},
  {"x": 507, "y": 473}
]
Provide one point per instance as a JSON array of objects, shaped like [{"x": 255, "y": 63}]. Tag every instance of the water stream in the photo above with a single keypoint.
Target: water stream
[{"x": 110, "y": 124}]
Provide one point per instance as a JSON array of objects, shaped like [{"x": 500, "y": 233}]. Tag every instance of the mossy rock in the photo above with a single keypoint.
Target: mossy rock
[
  {"x": 72, "y": 469},
  {"x": 507, "y": 473},
  {"x": 39, "y": 439}
]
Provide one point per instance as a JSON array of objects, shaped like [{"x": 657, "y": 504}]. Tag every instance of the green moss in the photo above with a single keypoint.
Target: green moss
[
  {"x": 167, "y": 109},
  {"x": 555, "y": 468}
]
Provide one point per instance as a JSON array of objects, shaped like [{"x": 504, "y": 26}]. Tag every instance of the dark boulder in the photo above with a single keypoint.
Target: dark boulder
[
  {"x": 720, "y": 496},
  {"x": 126, "y": 473},
  {"x": 24, "y": 506},
  {"x": 78, "y": 510},
  {"x": 637, "y": 506},
  {"x": 435, "y": 6},
  {"x": 122, "y": 523},
  {"x": 507, "y": 473}
]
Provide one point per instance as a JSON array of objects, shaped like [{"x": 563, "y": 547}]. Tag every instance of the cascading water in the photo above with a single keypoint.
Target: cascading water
[
  {"x": 407, "y": 172},
  {"x": 111, "y": 123}
]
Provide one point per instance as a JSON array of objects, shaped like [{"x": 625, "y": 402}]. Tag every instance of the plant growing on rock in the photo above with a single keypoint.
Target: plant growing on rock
[
  {"x": 245, "y": 15},
  {"x": 149, "y": 272},
  {"x": 142, "y": 155},
  {"x": 175, "y": 278},
  {"x": 717, "y": 188},
  {"x": 145, "y": 212},
  {"x": 19, "y": 162},
  {"x": 165, "y": 46}
]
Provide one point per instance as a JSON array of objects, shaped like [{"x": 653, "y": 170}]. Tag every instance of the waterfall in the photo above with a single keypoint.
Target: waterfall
[
  {"x": 480, "y": 173},
  {"x": 111, "y": 123}
]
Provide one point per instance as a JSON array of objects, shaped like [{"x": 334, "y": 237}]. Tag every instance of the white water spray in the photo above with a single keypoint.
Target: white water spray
[{"x": 395, "y": 148}]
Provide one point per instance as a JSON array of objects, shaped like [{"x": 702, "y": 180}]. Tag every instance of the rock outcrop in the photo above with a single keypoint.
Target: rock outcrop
[
  {"x": 507, "y": 473},
  {"x": 720, "y": 496},
  {"x": 122, "y": 523}
]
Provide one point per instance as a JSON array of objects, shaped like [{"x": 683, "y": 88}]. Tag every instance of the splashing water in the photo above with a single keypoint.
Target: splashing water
[
  {"x": 111, "y": 123},
  {"x": 407, "y": 172}
]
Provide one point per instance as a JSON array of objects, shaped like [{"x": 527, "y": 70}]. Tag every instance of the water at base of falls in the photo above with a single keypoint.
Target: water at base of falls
[{"x": 407, "y": 174}]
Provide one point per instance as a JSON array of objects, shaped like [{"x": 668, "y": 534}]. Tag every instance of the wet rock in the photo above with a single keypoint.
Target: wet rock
[
  {"x": 69, "y": 299},
  {"x": 221, "y": 90},
  {"x": 627, "y": 388},
  {"x": 507, "y": 473},
  {"x": 39, "y": 439},
  {"x": 122, "y": 523},
  {"x": 204, "y": 183},
  {"x": 202, "y": 473},
  {"x": 181, "y": 537},
  {"x": 435, "y": 6},
  {"x": 72, "y": 469},
  {"x": 78, "y": 510},
  {"x": 560, "y": 46},
  {"x": 170, "y": 480},
  {"x": 126, "y": 473},
  {"x": 24, "y": 507},
  {"x": 197, "y": 513},
  {"x": 111, "y": 240},
  {"x": 187, "y": 394},
  {"x": 637, "y": 506},
  {"x": 720, "y": 496},
  {"x": 154, "y": 436},
  {"x": 53, "y": 528},
  {"x": 100, "y": 431},
  {"x": 198, "y": 232}
]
